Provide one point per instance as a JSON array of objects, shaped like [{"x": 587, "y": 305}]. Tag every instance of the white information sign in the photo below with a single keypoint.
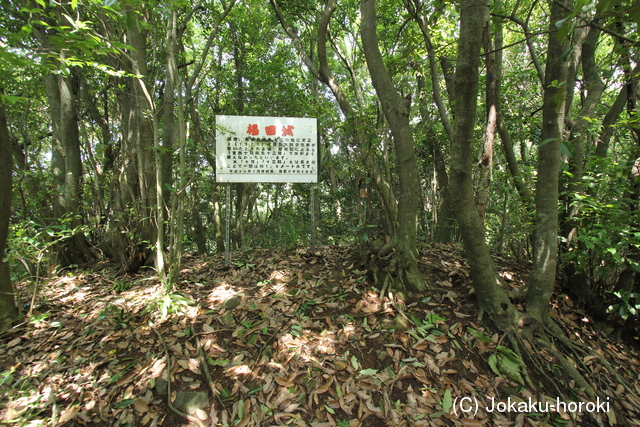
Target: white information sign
[{"x": 266, "y": 149}]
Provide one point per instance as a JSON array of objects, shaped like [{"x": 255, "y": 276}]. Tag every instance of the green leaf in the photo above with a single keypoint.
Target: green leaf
[
  {"x": 493, "y": 364},
  {"x": 254, "y": 390},
  {"x": 354, "y": 363},
  {"x": 447, "y": 402},
  {"x": 546, "y": 141},
  {"x": 624, "y": 313},
  {"x": 566, "y": 148},
  {"x": 479, "y": 335},
  {"x": 508, "y": 353},
  {"x": 604, "y": 5},
  {"x": 219, "y": 362},
  {"x": 123, "y": 403},
  {"x": 511, "y": 370},
  {"x": 241, "y": 413},
  {"x": 509, "y": 364},
  {"x": 370, "y": 372}
]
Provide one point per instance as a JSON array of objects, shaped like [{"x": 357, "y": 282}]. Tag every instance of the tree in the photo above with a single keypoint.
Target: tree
[
  {"x": 474, "y": 15},
  {"x": 397, "y": 111},
  {"x": 545, "y": 244},
  {"x": 61, "y": 82},
  {"x": 8, "y": 310},
  {"x": 400, "y": 225}
]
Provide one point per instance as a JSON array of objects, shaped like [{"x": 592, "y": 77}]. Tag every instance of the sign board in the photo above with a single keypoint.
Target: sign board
[{"x": 266, "y": 149}]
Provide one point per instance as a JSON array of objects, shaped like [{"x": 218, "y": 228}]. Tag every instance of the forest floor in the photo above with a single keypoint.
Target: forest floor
[{"x": 290, "y": 338}]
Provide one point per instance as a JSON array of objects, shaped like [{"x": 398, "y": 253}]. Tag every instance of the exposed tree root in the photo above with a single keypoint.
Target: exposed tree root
[
  {"x": 517, "y": 343},
  {"x": 192, "y": 419},
  {"x": 568, "y": 367},
  {"x": 530, "y": 343},
  {"x": 551, "y": 329},
  {"x": 381, "y": 258}
]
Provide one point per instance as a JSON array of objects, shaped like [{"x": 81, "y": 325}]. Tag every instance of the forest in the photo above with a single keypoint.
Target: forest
[{"x": 473, "y": 237}]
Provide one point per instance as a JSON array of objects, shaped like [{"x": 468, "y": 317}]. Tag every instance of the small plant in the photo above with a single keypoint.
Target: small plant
[
  {"x": 428, "y": 325},
  {"x": 506, "y": 363},
  {"x": 120, "y": 286},
  {"x": 296, "y": 330},
  {"x": 629, "y": 304},
  {"x": 243, "y": 263},
  {"x": 118, "y": 315},
  {"x": 35, "y": 320},
  {"x": 306, "y": 307},
  {"x": 168, "y": 304}
]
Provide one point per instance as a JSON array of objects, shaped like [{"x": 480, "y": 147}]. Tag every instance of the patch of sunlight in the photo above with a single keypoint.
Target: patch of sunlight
[
  {"x": 279, "y": 281},
  {"x": 307, "y": 346},
  {"x": 349, "y": 329},
  {"x": 221, "y": 293},
  {"x": 370, "y": 303}
]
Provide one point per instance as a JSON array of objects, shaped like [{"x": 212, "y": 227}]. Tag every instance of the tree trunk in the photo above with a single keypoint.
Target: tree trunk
[
  {"x": 217, "y": 220},
  {"x": 486, "y": 162},
  {"x": 322, "y": 72},
  {"x": 579, "y": 130},
  {"x": 76, "y": 249},
  {"x": 142, "y": 124},
  {"x": 169, "y": 130},
  {"x": 545, "y": 244},
  {"x": 444, "y": 226},
  {"x": 609, "y": 121},
  {"x": 57, "y": 152},
  {"x": 505, "y": 138},
  {"x": 8, "y": 311},
  {"x": 444, "y": 223},
  {"x": 491, "y": 298},
  {"x": 396, "y": 110},
  {"x": 200, "y": 235}
]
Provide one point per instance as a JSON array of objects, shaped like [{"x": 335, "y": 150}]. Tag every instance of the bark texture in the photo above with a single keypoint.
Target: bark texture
[
  {"x": 491, "y": 298},
  {"x": 8, "y": 310},
  {"x": 396, "y": 110},
  {"x": 545, "y": 245}
]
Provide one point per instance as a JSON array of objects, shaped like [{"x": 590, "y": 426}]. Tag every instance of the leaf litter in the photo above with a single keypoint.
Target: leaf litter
[{"x": 285, "y": 337}]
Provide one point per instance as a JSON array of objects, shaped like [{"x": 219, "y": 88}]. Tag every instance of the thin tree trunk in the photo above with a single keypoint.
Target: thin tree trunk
[
  {"x": 610, "y": 120},
  {"x": 505, "y": 137},
  {"x": 545, "y": 245},
  {"x": 578, "y": 136},
  {"x": 486, "y": 162},
  {"x": 8, "y": 311},
  {"x": 491, "y": 298},
  {"x": 396, "y": 110},
  {"x": 444, "y": 225},
  {"x": 323, "y": 73},
  {"x": 142, "y": 125},
  {"x": 433, "y": 72},
  {"x": 76, "y": 249}
]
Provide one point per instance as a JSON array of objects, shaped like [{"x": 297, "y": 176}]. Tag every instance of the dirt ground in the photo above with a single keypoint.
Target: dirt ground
[{"x": 291, "y": 337}]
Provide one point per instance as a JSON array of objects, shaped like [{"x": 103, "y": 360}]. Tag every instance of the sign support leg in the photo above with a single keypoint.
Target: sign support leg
[
  {"x": 227, "y": 244},
  {"x": 313, "y": 218}
]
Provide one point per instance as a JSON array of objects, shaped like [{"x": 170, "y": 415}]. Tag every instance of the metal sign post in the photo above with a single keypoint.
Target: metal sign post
[
  {"x": 227, "y": 243},
  {"x": 313, "y": 218}
]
